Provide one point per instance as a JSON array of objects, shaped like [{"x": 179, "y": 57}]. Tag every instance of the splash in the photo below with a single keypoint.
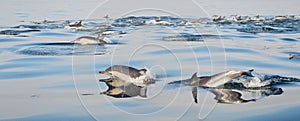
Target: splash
[
  {"x": 148, "y": 78},
  {"x": 149, "y": 74},
  {"x": 261, "y": 80}
]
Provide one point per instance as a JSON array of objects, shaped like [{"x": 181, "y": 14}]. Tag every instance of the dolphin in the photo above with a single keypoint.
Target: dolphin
[{"x": 218, "y": 79}]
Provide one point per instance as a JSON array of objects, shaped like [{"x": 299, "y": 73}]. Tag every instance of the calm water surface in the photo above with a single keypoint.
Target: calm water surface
[{"x": 44, "y": 76}]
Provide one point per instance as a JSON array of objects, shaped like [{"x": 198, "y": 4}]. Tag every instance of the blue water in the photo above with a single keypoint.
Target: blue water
[{"x": 44, "y": 76}]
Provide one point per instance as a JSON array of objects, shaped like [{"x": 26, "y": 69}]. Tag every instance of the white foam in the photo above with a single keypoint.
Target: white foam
[
  {"x": 149, "y": 74},
  {"x": 140, "y": 81},
  {"x": 158, "y": 22},
  {"x": 257, "y": 81}
]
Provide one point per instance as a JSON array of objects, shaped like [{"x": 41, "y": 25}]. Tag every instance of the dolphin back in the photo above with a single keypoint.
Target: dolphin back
[{"x": 248, "y": 73}]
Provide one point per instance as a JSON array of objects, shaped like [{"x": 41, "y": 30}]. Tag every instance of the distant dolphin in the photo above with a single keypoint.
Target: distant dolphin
[
  {"x": 85, "y": 40},
  {"x": 74, "y": 25},
  {"x": 291, "y": 56},
  {"x": 217, "y": 79},
  {"x": 159, "y": 21},
  {"x": 218, "y": 18},
  {"x": 280, "y": 17}
]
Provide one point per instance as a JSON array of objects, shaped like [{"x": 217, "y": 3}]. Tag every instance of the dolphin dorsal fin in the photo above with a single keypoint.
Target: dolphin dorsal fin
[
  {"x": 80, "y": 23},
  {"x": 194, "y": 78},
  {"x": 249, "y": 73},
  {"x": 251, "y": 70}
]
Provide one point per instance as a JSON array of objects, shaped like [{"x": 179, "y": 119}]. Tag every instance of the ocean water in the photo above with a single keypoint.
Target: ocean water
[{"x": 44, "y": 76}]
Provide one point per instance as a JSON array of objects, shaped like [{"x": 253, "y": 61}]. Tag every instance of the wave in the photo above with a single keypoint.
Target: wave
[
  {"x": 60, "y": 49},
  {"x": 17, "y": 32}
]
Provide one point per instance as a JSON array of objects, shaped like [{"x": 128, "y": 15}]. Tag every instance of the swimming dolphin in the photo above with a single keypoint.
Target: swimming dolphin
[
  {"x": 86, "y": 40},
  {"x": 291, "y": 56},
  {"x": 74, "y": 24},
  {"x": 218, "y": 79},
  {"x": 129, "y": 74}
]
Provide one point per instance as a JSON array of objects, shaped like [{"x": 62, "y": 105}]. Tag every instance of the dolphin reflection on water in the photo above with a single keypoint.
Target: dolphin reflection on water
[
  {"x": 119, "y": 88},
  {"x": 235, "y": 96},
  {"x": 229, "y": 96}
]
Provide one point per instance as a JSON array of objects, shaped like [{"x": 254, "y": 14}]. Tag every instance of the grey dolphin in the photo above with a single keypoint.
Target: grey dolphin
[
  {"x": 218, "y": 79},
  {"x": 291, "y": 56},
  {"x": 127, "y": 73},
  {"x": 76, "y": 24},
  {"x": 84, "y": 40},
  {"x": 218, "y": 18}
]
